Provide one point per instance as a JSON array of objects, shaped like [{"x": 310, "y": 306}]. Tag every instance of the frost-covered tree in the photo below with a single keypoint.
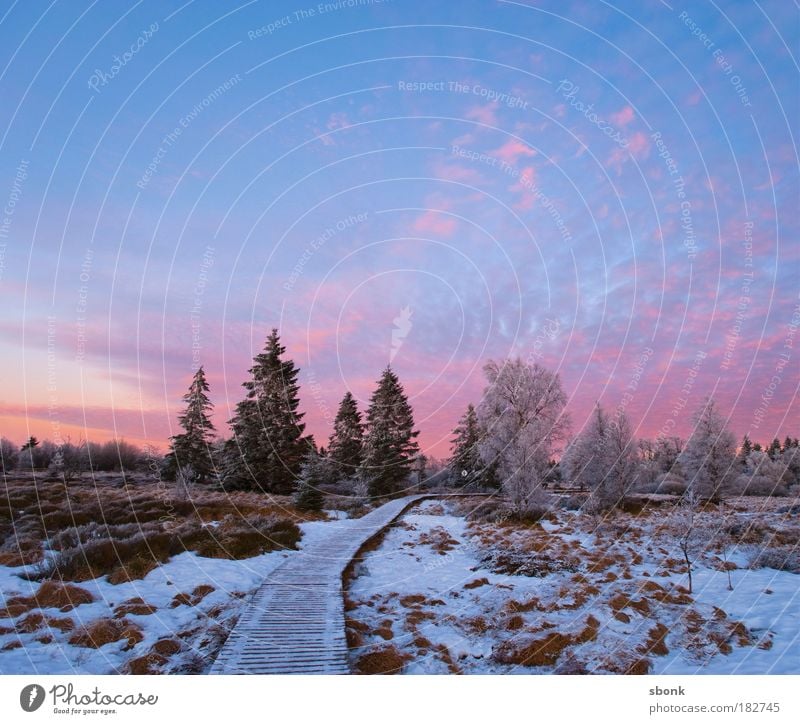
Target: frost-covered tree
[
  {"x": 346, "y": 444},
  {"x": 9, "y": 455},
  {"x": 390, "y": 446},
  {"x": 192, "y": 447},
  {"x": 764, "y": 475},
  {"x": 268, "y": 445},
  {"x": 522, "y": 416},
  {"x": 584, "y": 462},
  {"x": 623, "y": 462},
  {"x": 309, "y": 495},
  {"x": 466, "y": 464},
  {"x": 603, "y": 458},
  {"x": 710, "y": 453},
  {"x": 69, "y": 461},
  {"x": 744, "y": 451}
]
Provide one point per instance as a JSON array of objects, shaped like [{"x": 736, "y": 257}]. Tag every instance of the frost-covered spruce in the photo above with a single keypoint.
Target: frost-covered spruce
[
  {"x": 465, "y": 462},
  {"x": 191, "y": 449},
  {"x": 309, "y": 495},
  {"x": 390, "y": 445},
  {"x": 268, "y": 445},
  {"x": 346, "y": 443}
]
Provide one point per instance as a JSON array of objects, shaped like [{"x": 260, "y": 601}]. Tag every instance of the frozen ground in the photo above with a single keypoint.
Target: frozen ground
[
  {"x": 173, "y": 620},
  {"x": 444, "y": 595}
]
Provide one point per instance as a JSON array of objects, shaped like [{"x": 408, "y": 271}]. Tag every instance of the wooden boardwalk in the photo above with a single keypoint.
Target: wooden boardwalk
[{"x": 295, "y": 622}]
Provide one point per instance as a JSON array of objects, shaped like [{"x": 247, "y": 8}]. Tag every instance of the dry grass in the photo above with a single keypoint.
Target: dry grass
[
  {"x": 124, "y": 530},
  {"x": 382, "y": 660},
  {"x": 105, "y": 631}
]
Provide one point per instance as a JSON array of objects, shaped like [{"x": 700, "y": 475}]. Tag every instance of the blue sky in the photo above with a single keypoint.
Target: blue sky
[{"x": 575, "y": 183}]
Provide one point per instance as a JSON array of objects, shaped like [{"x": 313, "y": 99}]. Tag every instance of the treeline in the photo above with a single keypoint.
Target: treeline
[
  {"x": 509, "y": 441},
  {"x": 70, "y": 459},
  {"x": 511, "y": 437}
]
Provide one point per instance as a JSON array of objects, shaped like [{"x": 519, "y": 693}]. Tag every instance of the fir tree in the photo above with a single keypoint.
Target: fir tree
[
  {"x": 268, "y": 445},
  {"x": 346, "y": 444},
  {"x": 390, "y": 447},
  {"x": 775, "y": 449},
  {"x": 466, "y": 463},
  {"x": 745, "y": 450},
  {"x": 309, "y": 495},
  {"x": 191, "y": 448}
]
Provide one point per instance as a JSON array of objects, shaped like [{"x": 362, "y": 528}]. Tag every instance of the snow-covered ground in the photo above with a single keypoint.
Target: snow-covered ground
[
  {"x": 194, "y": 601},
  {"x": 441, "y": 595}
]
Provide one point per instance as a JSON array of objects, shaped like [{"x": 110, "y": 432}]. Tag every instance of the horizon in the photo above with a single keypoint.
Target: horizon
[{"x": 453, "y": 187}]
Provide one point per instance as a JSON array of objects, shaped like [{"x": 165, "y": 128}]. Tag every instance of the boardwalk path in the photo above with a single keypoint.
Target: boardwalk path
[{"x": 295, "y": 622}]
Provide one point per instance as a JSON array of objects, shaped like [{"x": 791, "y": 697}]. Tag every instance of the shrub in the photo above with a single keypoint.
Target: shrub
[{"x": 781, "y": 558}]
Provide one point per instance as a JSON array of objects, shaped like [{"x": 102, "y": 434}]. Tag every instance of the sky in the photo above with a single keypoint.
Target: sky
[{"x": 607, "y": 189}]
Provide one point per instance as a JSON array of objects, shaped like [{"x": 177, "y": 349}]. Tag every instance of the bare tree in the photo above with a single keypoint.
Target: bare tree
[{"x": 687, "y": 533}]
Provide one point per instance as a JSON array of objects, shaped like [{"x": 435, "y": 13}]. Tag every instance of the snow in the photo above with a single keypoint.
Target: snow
[
  {"x": 470, "y": 621},
  {"x": 232, "y": 581}
]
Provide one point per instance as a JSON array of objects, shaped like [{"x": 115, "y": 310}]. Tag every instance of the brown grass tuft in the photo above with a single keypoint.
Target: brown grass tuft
[
  {"x": 105, "y": 631},
  {"x": 383, "y": 660},
  {"x": 543, "y": 651}
]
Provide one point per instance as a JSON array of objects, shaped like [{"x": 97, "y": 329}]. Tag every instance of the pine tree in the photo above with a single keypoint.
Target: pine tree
[
  {"x": 309, "y": 495},
  {"x": 745, "y": 450},
  {"x": 268, "y": 445},
  {"x": 775, "y": 449},
  {"x": 346, "y": 444},
  {"x": 390, "y": 445},
  {"x": 465, "y": 463},
  {"x": 191, "y": 448}
]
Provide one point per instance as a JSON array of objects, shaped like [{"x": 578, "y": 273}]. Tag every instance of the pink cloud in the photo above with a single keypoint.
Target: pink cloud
[
  {"x": 483, "y": 114},
  {"x": 512, "y": 151},
  {"x": 623, "y": 117},
  {"x": 434, "y": 222}
]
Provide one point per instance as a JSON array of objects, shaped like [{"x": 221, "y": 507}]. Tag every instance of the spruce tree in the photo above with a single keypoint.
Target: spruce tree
[
  {"x": 309, "y": 495},
  {"x": 465, "y": 463},
  {"x": 346, "y": 444},
  {"x": 268, "y": 445},
  {"x": 745, "y": 450},
  {"x": 191, "y": 448},
  {"x": 390, "y": 447}
]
